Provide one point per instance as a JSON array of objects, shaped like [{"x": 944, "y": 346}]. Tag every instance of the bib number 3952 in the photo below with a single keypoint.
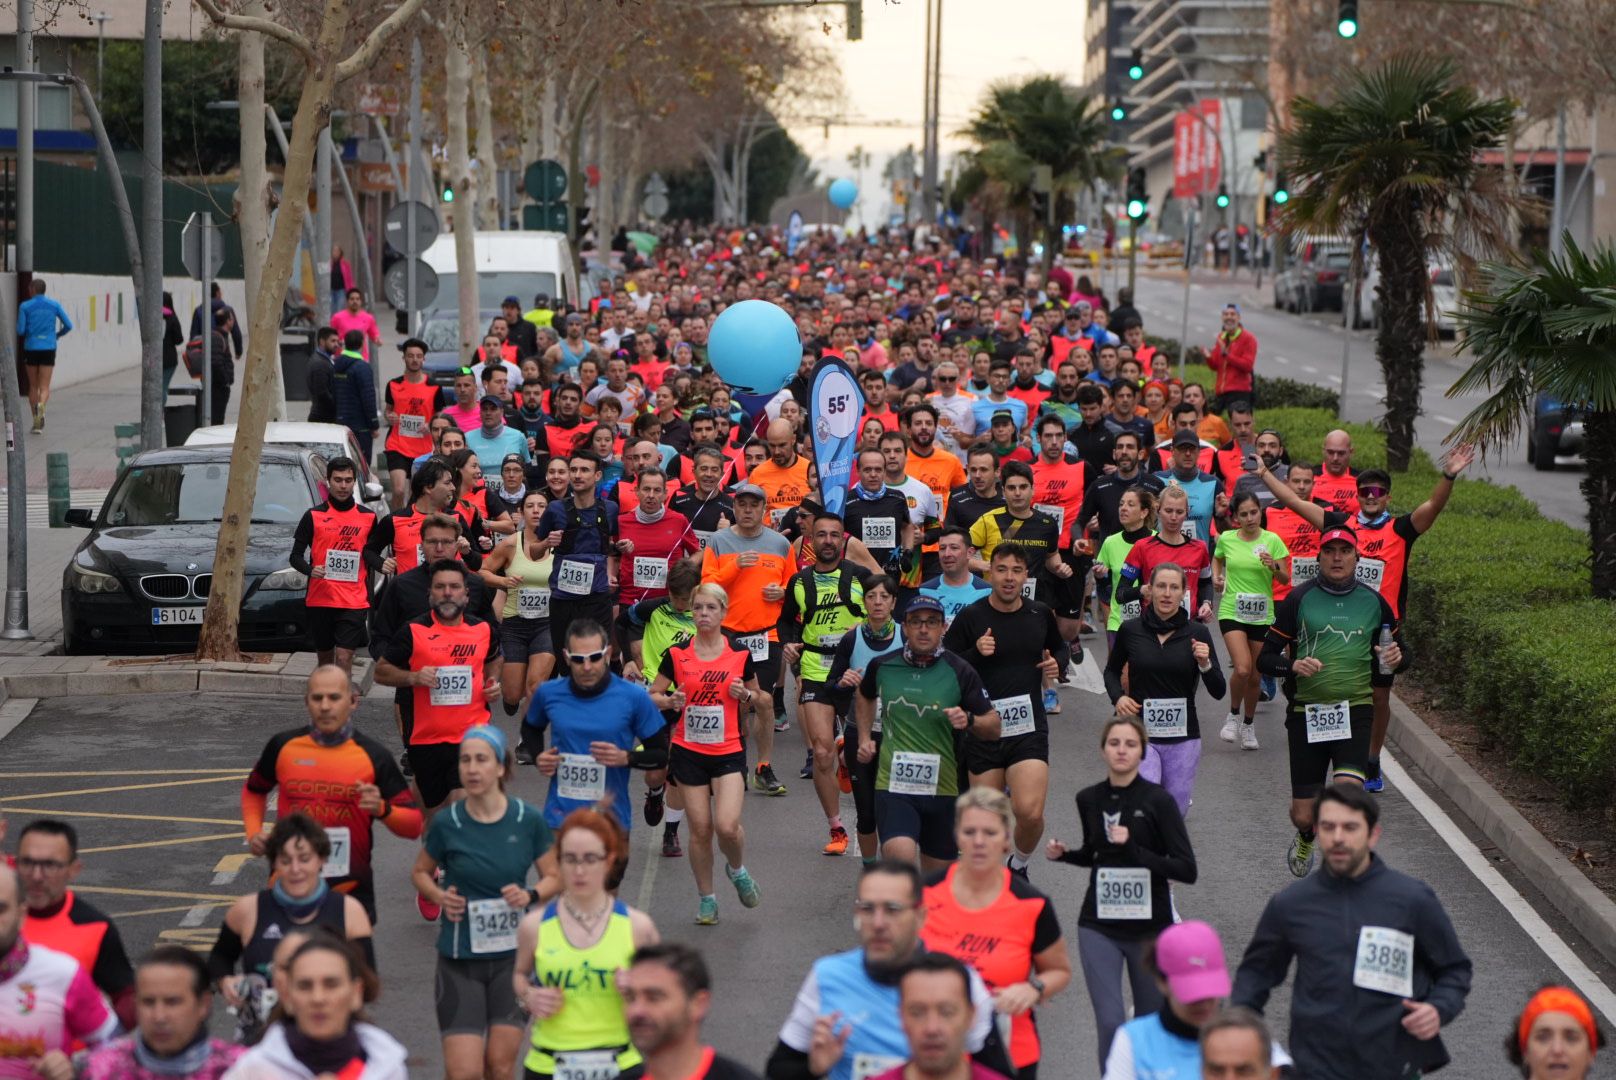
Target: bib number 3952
[
  {"x": 912, "y": 773},
  {"x": 1329, "y": 723},
  {"x": 454, "y": 686},
  {"x": 1385, "y": 961}
]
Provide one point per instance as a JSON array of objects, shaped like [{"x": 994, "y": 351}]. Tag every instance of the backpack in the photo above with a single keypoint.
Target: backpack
[{"x": 193, "y": 357}]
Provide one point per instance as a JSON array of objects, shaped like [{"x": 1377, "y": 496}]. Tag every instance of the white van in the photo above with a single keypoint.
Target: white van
[{"x": 521, "y": 264}]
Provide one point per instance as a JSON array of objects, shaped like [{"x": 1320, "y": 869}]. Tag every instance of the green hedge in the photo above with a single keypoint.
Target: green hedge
[
  {"x": 1499, "y": 617},
  {"x": 1273, "y": 393}
]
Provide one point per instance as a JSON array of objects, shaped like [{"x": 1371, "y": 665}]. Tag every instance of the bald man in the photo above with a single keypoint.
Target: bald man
[
  {"x": 784, "y": 476},
  {"x": 1337, "y": 481}
]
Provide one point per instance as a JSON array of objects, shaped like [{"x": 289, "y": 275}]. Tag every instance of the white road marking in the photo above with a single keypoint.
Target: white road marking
[
  {"x": 1283, "y": 359},
  {"x": 1085, "y": 676},
  {"x": 1310, "y": 369},
  {"x": 1448, "y": 420},
  {"x": 14, "y": 712},
  {"x": 196, "y": 916},
  {"x": 653, "y": 858},
  {"x": 1598, "y": 994}
]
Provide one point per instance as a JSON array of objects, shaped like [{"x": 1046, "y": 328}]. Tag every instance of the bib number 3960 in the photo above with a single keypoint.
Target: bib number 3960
[
  {"x": 1385, "y": 961},
  {"x": 1122, "y": 892}
]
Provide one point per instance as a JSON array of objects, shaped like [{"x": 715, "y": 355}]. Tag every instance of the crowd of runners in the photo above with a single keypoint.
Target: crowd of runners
[{"x": 599, "y": 567}]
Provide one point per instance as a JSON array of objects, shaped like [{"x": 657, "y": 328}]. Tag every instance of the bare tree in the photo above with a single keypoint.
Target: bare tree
[{"x": 330, "y": 57}]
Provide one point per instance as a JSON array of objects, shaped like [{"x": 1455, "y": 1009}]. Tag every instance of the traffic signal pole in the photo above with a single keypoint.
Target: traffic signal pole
[{"x": 1133, "y": 250}]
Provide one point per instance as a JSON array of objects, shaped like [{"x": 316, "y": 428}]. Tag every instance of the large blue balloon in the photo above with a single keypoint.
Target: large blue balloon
[
  {"x": 843, "y": 193},
  {"x": 754, "y": 347}
]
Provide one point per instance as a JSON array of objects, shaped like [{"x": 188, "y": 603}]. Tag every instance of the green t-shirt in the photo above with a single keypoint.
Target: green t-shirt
[
  {"x": 919, "y": 747},
  {"x": 831, "y": 618},
  {"x": 666, "y": 627},
  {"x": 479, "y": 860},
  {"x": 1112, "y": 554},
  {"x": 1340, "y": 630},
  {"x": 1248, "y": 585}
]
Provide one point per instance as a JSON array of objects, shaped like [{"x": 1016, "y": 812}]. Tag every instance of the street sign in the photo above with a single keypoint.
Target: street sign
[
  {"x": 547, "y": 217},
  {"x": 397, "y": 224},
  {"x": 191, "y": 248},
  {"x": 654, "y": 205},
  {"x": 376, "y": 100},
  {"x": 376, "y": 177},
  {"x": 395, "y": 285},
  {"x": 545, "y": 181}
]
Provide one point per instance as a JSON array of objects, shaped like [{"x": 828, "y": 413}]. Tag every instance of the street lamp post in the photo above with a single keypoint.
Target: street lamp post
[{"x": 101, "y": 19}]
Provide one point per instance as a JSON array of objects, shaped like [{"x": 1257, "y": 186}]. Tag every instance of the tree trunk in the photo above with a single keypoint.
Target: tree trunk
[
  {"x": 457, "y": 98},
  {"x": 252, "y": 197},
  {"x": 219, "y": 638},
  {"x": 488, "y": 165},
  {"x": 1599, "y": 488},
  {"x": 1400, "y": 341}
]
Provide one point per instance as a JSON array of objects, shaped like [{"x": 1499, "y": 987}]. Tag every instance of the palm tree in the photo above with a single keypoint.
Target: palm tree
[
  {"x": 1019, "y": 127},
  {"x": 1550, "y": 328},
  {"x": 1395, "y": 162}
]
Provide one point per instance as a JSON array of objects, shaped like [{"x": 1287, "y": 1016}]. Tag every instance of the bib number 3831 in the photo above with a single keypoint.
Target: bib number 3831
[
  {"x": 1385, "y": 961},
  {"x": 341, "y": 565},
  {"x": 1122, "y": 892}
]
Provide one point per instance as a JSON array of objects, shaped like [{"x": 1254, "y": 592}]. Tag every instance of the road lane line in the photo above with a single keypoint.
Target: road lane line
[
  {"x": 196, "y": 916},
  {"x": 116, "y": 817},
  {"x": 119, "y": 772},
  {"x": 1494, "y": 882},
  {"x": 1310, "y": 369},
  {"x": 161, "y": 894},
  {"x": 162, "y": 910},
  {"x": 229, "y": 778},
  {"x": 1448, "y": 420},
  {"x": 653, "y": 857},
  {"x": 210, "y": 838},
  {"x": 231, "y": 865}
]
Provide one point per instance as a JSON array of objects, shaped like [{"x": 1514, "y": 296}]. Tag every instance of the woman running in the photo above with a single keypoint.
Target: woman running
[
  {"x": 1555, "y": 1037},
  {"x": 878, "y": 635},
  {"x": 521, "y": 565},
  {"x": 568, "y": 952},
  {"x": 1024, "y": 962},
  {"x": 1170, "y": 544},
  {"x": 471, "y": 501},
  {"x": 1137, "y": 512},
  {"x": 1165, "y": 655},
  {"x": 1246, "y": 565},
  {"x": 706, "y": 681},
  {"x": 298, "y": 851},
  {"x": 485, "y": 845},
  {"x": 1130, "y": 865}
]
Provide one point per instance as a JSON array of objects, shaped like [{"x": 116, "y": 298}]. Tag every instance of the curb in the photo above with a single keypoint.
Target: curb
[
  {"x": 225, "y": 679},
  {"x": 1590, "y": 911}
]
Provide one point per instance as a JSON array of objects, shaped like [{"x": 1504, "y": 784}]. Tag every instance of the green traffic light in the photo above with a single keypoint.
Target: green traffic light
[
  {"x": 1347, "y": 28},
  {"x": 1136, "y": 72},
  {"x": 1282, "y": 196},
  {"x": 1136, "y": 209},
  {"x": 1118, "y": 112},
  {"x": 1223, "y": 200},
  {"x": 448, "y": 194}
]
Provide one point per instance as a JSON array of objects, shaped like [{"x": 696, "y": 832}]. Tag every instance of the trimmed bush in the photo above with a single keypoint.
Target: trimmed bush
[{"x": 1272, "y": 393}]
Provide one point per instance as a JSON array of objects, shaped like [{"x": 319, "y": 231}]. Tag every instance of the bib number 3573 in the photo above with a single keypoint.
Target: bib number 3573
[
  {"x": 1385, "y": 961},
  {"x": 913, "y": 773}
]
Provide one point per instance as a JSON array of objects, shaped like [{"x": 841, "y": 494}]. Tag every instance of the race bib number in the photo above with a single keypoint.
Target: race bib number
[
  {"x": 1015, "y": 716},
  {"x": 576, "y": 577},
  {"x": 868, "y": 1065},
  {"x": 830, "y": 641},
  {"x": 1251, "y": 607},
  {"x": 913, "y": 773},
  {"x": 1385, "y": 961},
  {"x": 1304, "y": 569},
  {"x": 533, "y": 603},
  {"x": 492, "y": 924},
  {"x": 875, "y": 725},
  {"x": 454, "y": 686},
  {"x": 586, "y": 1065},
  {"x": 1122, "y": 892},
  {"x": 341, "y": 851},
  {"x": 1189, "y": 529},
  {"x": 650, "y": 573},
  {"x": 580, "y": 777},
  {"x": 341, "y": 565},
  {"x": 411, "y": 426},
  {"x": 880, "y": 533},
  {"x": 1056, "y": 512},
  {"x": 1329, "y": 723},
  {"x": 1166, "y": 718},
  {"x": 701, "y": 539},
  {"x": 1371, "y": 572},
  {"x": 777, "y": 516},
  {"x": 757, "y": 645},
  {"x": 704, "y": 724},
  {"x": 1130, "y": 610},
  {"x": 420, "y": 555},
  {"x": 1029, "y": 589}
]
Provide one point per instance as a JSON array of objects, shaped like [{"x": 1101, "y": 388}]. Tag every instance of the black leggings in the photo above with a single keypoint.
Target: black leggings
[{"x": 863, "y": 777}]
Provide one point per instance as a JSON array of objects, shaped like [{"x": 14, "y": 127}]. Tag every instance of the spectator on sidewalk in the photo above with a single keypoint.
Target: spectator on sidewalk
[
  {"x": 322, "y": 396},
  {"x": 40, "y": 322},
  {"x": 353, "y": 387},
  {"x": 173, "y": 340},
  {"x": 220, "y": 310},
  {"x": 355, "y": 317},
  {"x": 342, "y": 277},
  {"x": 220, "y": 362},
  {"x": 1234, "y": 358}
]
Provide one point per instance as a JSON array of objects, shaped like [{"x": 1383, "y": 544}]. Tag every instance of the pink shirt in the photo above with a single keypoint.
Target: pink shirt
[
  {"x": 345, "y": 320},
  {"x": 468, "y": 419},
  {"x": 47, "y": 1005}
]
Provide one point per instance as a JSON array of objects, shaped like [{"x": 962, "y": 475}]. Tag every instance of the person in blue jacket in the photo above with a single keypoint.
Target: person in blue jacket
[
  {"x": 353, "y": 385},
  {"x": 40, "y": 322}
]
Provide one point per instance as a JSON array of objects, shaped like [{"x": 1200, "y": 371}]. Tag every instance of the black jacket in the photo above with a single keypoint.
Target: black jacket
[
  {"x": 408, "y": 596},
  {"x": 322, "y": 398},
  {"x": 1157, "y": 841},
  {"x": 1158, "y": 669},
  {"x": 1340, "y": 1031},
  {"x": 1093, "y": 444}
]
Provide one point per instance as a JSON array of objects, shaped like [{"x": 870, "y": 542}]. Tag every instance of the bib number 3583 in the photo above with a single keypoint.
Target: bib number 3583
[
  {"x": 581, "y": 777},
  {"x": 1385, "y": 961}
]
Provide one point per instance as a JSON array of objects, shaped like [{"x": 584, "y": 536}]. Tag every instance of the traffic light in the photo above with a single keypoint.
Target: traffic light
[
  {"x": 1223, "y": 196},
  {"x": 448, "y": 192},
  {"x": 1281, "y": 194},
  {"x": 1119, "y": 111},
  {"x": 1346, "y": 20},
  {"x": 1260, "y": 162},
  {"x": 1136, "y": 65},
  {"x": 1138, "y": 198},
  {"x": 855, "y": 20}
]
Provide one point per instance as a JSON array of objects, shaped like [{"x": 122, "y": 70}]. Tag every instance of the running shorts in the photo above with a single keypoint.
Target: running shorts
[{"x": 1315, "y": 764}]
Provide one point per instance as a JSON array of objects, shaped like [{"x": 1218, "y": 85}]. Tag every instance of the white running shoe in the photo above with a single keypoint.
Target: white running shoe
[
  {"x": 1248, "y": 736},
  {"x": 1229, "y": 726}
]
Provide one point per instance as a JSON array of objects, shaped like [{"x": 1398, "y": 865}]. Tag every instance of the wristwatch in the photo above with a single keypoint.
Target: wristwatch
[{"x": 1037, "y": 984}]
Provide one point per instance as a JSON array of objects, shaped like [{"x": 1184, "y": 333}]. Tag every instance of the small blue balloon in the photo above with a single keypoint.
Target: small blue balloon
[
  {"x": 843, "y": 193},
  {"x": 754, "y": 347}
]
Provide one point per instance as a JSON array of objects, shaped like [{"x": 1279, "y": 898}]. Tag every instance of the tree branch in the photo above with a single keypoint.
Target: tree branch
[
  {"x": 365, "y": 55},
  {"x": 254, "y": 24}
]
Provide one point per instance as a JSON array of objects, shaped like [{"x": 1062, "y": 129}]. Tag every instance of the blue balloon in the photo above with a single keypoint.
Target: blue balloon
[
  {"x": 843, "y": 193},
  {"x": 754, "y": 347}
]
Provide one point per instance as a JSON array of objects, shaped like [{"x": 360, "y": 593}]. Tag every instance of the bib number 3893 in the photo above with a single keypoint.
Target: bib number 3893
[{"x": 1385, "y": 961}]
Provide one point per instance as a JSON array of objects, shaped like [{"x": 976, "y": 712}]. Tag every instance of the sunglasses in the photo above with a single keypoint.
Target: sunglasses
[
  {"x": 948, "y": 378},
  {"x": 1373, "y": 492},
  {"x": 586, "y": 657}
]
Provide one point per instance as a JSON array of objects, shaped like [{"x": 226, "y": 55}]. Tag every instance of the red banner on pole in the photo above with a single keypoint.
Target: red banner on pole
[
  {"x": 1197, "y": 158},
  {"x": 1211, "y": 143}
]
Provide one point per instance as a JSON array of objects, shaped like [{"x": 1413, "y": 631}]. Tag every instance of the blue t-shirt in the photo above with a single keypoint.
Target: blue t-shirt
[
  {"x": 983, "y": 409},
  {"x": 36, "y": 323},
  {"x": 479, "y": 859},
  {"x": 620, "y": 713},
  {"x": 586, "y": 545},
  {"x": 954, "y": 597},
  {"x": 491, "y": 451},
  {"x": 1202, "y": 490}
]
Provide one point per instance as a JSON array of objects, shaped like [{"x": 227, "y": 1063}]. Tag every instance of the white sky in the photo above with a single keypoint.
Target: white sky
[{"x": 983, "y": 40}]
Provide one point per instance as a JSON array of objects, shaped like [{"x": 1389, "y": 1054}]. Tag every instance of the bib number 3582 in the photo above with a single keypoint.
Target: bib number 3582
[{"x": 1329, "y": 723}]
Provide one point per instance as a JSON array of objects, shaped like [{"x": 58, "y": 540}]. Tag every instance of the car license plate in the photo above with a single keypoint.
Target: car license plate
[{"x": 177, "y": 616}]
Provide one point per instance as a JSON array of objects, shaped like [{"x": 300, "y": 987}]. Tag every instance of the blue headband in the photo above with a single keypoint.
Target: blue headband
[{"x": 489, "y": 734}]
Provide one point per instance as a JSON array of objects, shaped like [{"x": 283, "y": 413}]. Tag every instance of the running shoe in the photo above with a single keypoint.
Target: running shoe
[
  {"x": 1300, "y": 857},
  {"x": 1051, "y": 700},
  {"x": 844, "y": 779},
  {"x": 745, "y": 887},
  {"x": 1378, "y": 784},
  {"x": 1373, "y": 780},
  {"x": 707, "y": 913},
  {"x": 653, "y": 806},
  {"x": 670, "y": 843},
  {"x": 838, "y": 842},
  {"x": 807, "y": 770},
  {"x": 1267, "y": 689},
  {"x": 781, "y": 723},
  {"x": 404, "y": 765},
  {"x": 1248, "y": 736},
  {"x": 764, "y": 782},
  {"x": 524, "y": 756},
  {"x": 39, "y": 419},
  {"x": 1229, "y": 727}
]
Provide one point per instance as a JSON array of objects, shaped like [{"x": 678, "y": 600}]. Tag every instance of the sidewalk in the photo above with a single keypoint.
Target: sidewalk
[{"x": 78, "y": 422}]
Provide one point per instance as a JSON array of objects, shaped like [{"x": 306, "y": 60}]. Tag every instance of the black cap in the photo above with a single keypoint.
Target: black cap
[{"x": 1185, "y": 437}]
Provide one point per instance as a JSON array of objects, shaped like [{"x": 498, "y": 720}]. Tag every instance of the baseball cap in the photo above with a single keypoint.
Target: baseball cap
[
  {"x": 748, "y": 489},
  {"x": 492, "y": 399},
  {"x": 1342, "y": 533},
  {"x": 923, "y": 603},
  {"x": 1190, "y": 955},
  {"x": 508, "y": 458},
  {"x": 1003, "y": 414},
  {"x": 1185, "y": 437},
  {"x": 510, "y": 301},
  {"x": 541, "y": 300}
]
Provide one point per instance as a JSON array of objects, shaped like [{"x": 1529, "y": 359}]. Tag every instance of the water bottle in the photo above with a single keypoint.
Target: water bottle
[{"x": 1384, "y": 641}]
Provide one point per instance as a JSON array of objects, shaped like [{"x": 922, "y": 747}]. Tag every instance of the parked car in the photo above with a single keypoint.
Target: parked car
[
  {"x": 440, "y": 329},
  {"x": 1556, "y": 432},
  {"x": 139, "y": 582},
  {"x": 1315, "y": 277},
  {"x": 327, "y": 440},
  {"x": 1444, "y": 294}
]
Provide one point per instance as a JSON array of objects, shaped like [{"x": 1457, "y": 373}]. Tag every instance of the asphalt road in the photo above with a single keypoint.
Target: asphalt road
[
  {"x": 1308, "y": 348},
  {"x": 152, "y": 783}
]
